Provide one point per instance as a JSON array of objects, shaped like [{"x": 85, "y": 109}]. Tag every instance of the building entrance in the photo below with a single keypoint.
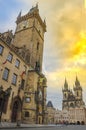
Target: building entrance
[{"x": 16, "y": 111}]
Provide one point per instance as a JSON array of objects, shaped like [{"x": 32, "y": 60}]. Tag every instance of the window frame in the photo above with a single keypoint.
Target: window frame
[
  {"x": 1, "y": 52},
  {"x": 13, "y": 80},
  {"x": 22, "y": 83},
  {"x": 10, "y": 54},
  {"x": 38, "y": 45},
  {"x": 7, "y": 74},
  {"x": 17, "y": 61},
  {"x": 27, "y": 114}
]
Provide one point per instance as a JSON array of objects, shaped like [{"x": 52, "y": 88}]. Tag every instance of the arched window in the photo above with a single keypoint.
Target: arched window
[
  {"x": 65, "y": 95},
  {"x": 71, "y": 105}
]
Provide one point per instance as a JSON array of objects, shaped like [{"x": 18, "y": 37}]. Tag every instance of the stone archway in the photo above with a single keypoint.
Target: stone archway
[
  {"x": 82, "y": 122},
  {"x": 16, "y": 109},
  {"x": 78, "y": 122}
]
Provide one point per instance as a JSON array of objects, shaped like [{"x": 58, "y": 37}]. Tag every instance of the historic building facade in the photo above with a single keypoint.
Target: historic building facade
[
  {"x": 73, "y": 102},
  {"x": 51, "y": 113},
  {"x": 22, "y": 83},
  {"x": 61, "y": 117},
  {"x": 56, "y": 116}
]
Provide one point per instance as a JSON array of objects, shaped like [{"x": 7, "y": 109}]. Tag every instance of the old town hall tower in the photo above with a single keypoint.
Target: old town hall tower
[{"x": 30, "y": 34}]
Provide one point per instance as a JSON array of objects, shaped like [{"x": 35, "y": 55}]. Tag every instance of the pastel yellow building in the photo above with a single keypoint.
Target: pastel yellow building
[{"x": 22, "y": 84}]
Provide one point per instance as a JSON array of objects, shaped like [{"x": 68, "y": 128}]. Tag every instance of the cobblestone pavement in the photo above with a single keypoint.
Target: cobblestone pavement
[{"x": 45, "y": 127}]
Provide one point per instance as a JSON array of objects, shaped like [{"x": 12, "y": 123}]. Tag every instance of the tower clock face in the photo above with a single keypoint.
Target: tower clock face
[{"x": 27, "y": 99}]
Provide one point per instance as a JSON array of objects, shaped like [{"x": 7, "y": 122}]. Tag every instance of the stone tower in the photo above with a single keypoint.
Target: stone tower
[
  {"x": 30, "y": 34},
  {"x": 29, "y": 40},
  {"x": 78, "y": 93},
  {"x": 65, "y": 95},
  {"x": 78, "y": 89}
]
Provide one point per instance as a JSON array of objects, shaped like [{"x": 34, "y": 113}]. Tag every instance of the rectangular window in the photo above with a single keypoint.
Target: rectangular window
[
  {"x": 10, "y": 56},
  {"x": 5, "y": 74},
  {"x": 14, "y": 79},
  {"x": 17, "y": 63},
  {"x": 22, "y": 83},
  {"x": 26, "y": 114},
  {"x": 1, "y": 49}
]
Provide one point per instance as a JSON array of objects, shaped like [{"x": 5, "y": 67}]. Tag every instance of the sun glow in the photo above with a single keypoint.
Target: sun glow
[{"x": 78, "y": 51}]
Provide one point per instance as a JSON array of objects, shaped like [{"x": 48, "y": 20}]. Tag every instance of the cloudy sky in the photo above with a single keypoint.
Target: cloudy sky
[{"x": 65, "y": 40}]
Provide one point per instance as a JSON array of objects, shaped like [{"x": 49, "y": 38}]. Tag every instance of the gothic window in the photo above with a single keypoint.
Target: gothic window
[
  {"x": 14, "y": 79},
  {"x": 17, "y": 63},
  {"x": 77, "y": 94},
  {"x": 27, "y": 58},
  {"x": 1, "y": 49},
  {"x": 37, "y": 66},
  {"x": 22, "y": 83},
  {"x": 65, "y": 95},
  {"x": 38, "y": 46},
  {"x": 5, "y": 74},
  {"x": 10, "y": 56},
  {"x": 8, "y": 40},
  {"x": 71, "y": 105},
  {"x": 27, "y": 114}
]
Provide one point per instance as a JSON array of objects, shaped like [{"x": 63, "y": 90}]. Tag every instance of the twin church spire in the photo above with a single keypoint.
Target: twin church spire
[
  {"x": 77, "y": 83},
  {"x": 72, "y": 98}
]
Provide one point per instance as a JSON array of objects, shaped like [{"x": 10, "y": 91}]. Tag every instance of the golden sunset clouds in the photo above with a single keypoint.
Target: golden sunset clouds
[{"x": 65, "y": 40}]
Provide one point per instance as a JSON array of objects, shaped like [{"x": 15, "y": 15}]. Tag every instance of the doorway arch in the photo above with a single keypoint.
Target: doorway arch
[
  {"x": 78, "y": 122},
  {"x": 16, "y": 109}
]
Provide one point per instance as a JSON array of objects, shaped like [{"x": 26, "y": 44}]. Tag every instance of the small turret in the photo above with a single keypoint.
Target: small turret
[
  {"x": 19, "y": 15},
  {"x": 34, "y": 9}
]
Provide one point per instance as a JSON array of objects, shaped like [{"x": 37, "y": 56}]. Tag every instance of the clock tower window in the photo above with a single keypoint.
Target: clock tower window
[{"x": 38, "y": 46}]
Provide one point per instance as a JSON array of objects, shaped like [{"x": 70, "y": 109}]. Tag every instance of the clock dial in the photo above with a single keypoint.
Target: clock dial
[{"x": 27, "y": 99}]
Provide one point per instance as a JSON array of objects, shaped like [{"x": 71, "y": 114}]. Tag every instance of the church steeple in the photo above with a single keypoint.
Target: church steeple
[
  {"x": 65, "y": 84},
  {"x": 77, "y": 83}
]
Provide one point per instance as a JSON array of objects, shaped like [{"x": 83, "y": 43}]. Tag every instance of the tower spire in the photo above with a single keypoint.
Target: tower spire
[
  {"x": 77, "y": 83},
  {"x": 65, "y": 84},
  {"x": 19, "y": 15}
]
